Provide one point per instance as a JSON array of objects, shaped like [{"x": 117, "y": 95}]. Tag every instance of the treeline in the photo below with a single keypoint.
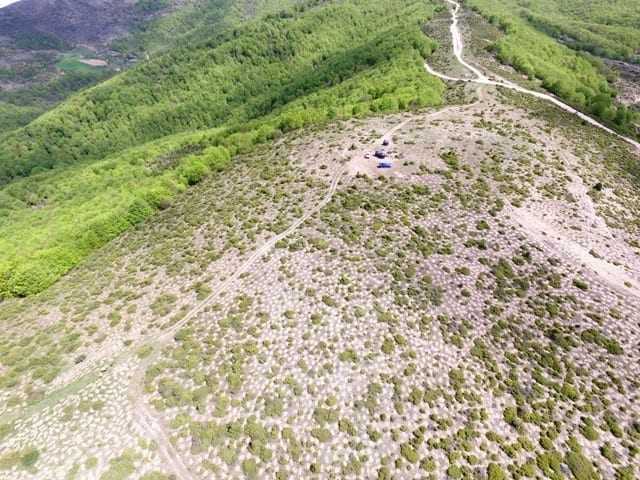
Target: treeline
[
  {"x": 92, "y": 168},
  {"x": 21, "y": 106},
  {"x": 609, "y": 41},
  {"x": 151, "y": 6},
  {"x": 55, "y": 90},
  {"x": 195, "y": 21},
  {"x": 576, "y": 77},
  {"x": 33, "y": 40}
]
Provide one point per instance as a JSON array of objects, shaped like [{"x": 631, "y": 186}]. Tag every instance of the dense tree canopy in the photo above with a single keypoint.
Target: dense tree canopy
[{"x": 608, "y": 28}]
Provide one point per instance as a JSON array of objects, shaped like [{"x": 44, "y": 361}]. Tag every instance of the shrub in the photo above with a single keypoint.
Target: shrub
[
  {"x": 321, "y": 434},
  {"x": 625, "y": 473},
  {"x": 580, "y": 467},
  {"x": 250, "y": 468},
  {"x": 581, "y": 284},
  {"x": 495, "y": 472},
  {"x": 120, "y": 468},
  {"x": 409, "y": 453}
]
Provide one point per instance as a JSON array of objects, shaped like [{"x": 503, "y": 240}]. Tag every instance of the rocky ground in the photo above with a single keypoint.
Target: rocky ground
[{"x": 628, "y": 82}]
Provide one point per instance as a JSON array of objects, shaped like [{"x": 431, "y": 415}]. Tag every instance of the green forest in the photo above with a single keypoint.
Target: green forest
[
  {"x": 532, "y": 45},
  {"x": 192, "y": 22},
  {"x": 608, "y": 28},
  {"x": 14, "y": 116},
  {"x": 605, "y": 28},
  {"x": 19, "y": 107},
  {"x": 107, "y": 158}
]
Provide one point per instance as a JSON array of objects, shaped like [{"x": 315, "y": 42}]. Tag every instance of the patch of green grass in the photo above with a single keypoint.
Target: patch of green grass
[{"x": 72, "y": 63}]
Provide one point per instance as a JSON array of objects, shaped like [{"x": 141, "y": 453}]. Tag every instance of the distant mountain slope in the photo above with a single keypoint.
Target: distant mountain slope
[
  {"x": 53, "y": 22},
  {"x": 194, "y": 21},
  {"x": 50, "y": 49}
]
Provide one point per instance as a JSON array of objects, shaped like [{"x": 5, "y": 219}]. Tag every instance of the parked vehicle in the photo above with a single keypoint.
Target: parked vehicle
[{"x": 384, "y": 165}]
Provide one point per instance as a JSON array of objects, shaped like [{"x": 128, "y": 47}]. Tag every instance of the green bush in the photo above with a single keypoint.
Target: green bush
[
  {"x": 121, "y": 467},
  {"x": 581, "y": 467},
  {"x": 495, "y": 472},
  {"x": 250, "y": 468}
]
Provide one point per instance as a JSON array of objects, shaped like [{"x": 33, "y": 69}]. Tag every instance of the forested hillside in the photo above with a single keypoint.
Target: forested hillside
[
  {"x": 21, "y": 105},
  {"x": 608, "y": 28},
  {"x": 195, "y": 21},
  {"x": 537, "y": 40},
  {"x": 45, "y": 44},
  {"x": 84, "y": 172}
]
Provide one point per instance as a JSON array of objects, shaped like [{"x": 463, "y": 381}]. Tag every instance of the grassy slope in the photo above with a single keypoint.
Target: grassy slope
[
  {"x": 574, "y": 76},
  {"x": 112, "y": 167}
]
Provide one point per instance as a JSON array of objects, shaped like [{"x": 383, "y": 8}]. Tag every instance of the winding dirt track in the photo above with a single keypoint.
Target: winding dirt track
[
  {"x": 143, "y": 413},
  {"x": 458, "y": 48},
  {"x": 537, "y": 228},
  {"x": 255, "y": 256}
]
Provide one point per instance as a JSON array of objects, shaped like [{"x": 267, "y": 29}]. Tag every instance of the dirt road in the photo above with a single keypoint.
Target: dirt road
[{"x": 458, "y": 48}]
